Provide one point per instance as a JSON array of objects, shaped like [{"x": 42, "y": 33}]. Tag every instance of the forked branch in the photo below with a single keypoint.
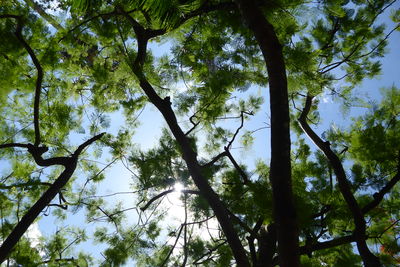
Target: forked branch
[
  {"x": 368, "y": 258},
  {"x": 70, "y": 164}
]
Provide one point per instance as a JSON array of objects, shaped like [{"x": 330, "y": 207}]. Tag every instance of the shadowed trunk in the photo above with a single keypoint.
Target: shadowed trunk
[{"x": 280, "y": 168}]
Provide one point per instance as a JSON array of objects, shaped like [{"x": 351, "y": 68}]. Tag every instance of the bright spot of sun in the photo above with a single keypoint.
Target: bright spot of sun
[{"x": 178, "y": 187}]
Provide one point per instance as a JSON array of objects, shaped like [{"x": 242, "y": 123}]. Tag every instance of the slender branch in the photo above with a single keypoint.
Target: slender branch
[
  {"x": 64, "y": 207},
  {"x": 381, "y": 41},
  {"x": 39, "y": 79},
  {"x": 239, "y": 221},
  {"x": 324, "y": 210},
  {"x": 308, "y": 249},
  {"x": 185, "y": 191},
  {"x": 237, "y": 167},
  {"x": 79, "y": 150},
  {"x": 228, "y": 154},
  {"x": 332, "y": 32},
  {"x": 173, "y": 247},
  {"x": 345, "y": 59},
  {"x": 238, "y": 129},
  {"x": 208, "y": 253},
  {"x": 215, "y": 159},
  {"x": 201, "y": 221},
  {"x": 195, "y": 124},
  {"x": 86, "y": 21},
  {"x": 378, "y": 197}
]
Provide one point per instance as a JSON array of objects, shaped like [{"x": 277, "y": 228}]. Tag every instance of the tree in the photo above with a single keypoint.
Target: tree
[{"x": 95, "y": 60}]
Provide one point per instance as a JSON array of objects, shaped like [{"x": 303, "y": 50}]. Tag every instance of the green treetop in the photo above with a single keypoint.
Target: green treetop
[{"x": 69, "y": 67}]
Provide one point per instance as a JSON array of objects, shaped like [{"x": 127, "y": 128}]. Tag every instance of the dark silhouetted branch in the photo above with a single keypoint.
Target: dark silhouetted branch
[
  {"x": 367, "y": 256},
  {"x": 185, "y": 191},
  {"x": 237, "y": 167},
  {"x": 70, "y": 165},
  {"x": 173, "y": 247},
  {"x": 10, "y": 145},
  {"x": 215, "y": 159},
  {"x": 378, "y": 196},
  {"x": 188, "y": 154}
]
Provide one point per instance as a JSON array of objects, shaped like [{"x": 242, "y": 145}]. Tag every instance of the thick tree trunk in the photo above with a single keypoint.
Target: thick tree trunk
[
  {"x": 280, "y": 168},
  {"x": 266, "y": 247}
]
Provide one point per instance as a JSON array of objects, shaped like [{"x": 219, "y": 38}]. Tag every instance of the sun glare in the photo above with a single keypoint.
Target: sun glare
[{"x": 178, "y": 187}]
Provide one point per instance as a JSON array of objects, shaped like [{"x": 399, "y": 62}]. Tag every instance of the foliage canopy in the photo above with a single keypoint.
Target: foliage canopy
[{"x": 70, "y": 68}]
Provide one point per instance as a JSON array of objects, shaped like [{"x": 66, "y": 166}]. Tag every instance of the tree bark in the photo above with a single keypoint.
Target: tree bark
[{"x": 280, "y": 168}]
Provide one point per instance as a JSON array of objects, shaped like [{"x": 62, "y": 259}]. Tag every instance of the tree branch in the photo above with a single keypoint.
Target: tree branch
[
  {"x": 49, "y": 18},
  {"x": 39, "y": 79},
  {"x": 378, "y": 196},
  {"x": 208, "y": 253},
  {"x": 215, "y": 159},
  {"x": 173, "y": 247},
  {"x": 14, "y": 145},
  {"x": 79, "y": 150},
  {"x": 368, "y": 258},
  {"x": 238, "y": 129},
  {"x": 237, "y": 167},
  {"x": 305, "y": 250},
  {"x": 70, "y": 164},
  {"x": 185, "y": 191},
  {"x": 188, "y": 154}
]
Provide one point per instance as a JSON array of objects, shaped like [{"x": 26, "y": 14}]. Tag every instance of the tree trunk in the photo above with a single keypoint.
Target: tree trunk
[
  {"x": 280, "y": 168},
  {"x": 34, "y": 212}
]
